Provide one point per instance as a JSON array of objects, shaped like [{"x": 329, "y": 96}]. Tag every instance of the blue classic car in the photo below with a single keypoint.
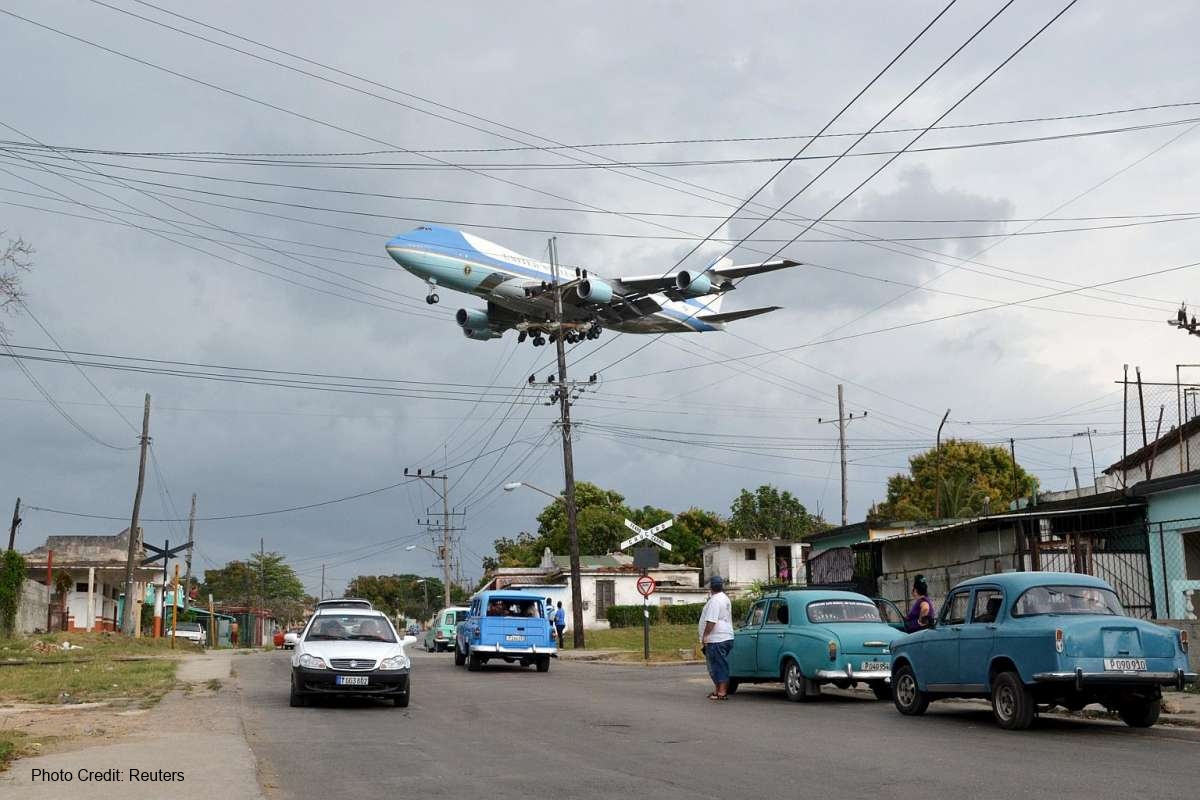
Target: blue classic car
[
  {"x": 807, "y": 637},
  {"x": 1040, "y": 639},
  {"x": 507, "y": 625}
]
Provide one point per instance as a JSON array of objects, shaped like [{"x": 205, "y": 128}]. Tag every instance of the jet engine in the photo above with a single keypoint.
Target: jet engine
[
  {"x": 692, "y": 284},
  {"x": 596, "y": 291},
  {"x": 471, "y": 319}
]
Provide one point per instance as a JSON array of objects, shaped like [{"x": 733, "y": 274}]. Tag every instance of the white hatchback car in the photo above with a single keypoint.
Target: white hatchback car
[{"x": 350, "y": 651}]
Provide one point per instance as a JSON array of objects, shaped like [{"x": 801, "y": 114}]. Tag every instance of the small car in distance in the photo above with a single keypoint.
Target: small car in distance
[
  {"x": 290, "y": 637},
  {"x": 1026, "y": 640},
  {"x": 507, "y": 625},
  {"x": 350, "y": 651},
  {"x": 808, "y": 637},
  {"x": 440, "y": 635},
  {"x": 191, "y": 632}
]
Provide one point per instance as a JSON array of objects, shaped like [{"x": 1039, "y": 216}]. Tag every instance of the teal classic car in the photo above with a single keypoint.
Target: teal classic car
[
  {"x": 1035, "y": 640},
  {"x": 440, "y": 635},
  {"x": 808, "y": 637}
]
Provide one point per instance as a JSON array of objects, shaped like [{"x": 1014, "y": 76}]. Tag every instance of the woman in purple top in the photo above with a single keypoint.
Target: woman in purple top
[{"x": 920, "y": 616}]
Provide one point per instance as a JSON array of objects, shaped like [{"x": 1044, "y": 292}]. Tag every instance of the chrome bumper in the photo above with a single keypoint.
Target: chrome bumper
[
  {"x": 514, "y": 651},
  {"x": 851, "y": 674},
  {"x": 1178, "y": 678}
]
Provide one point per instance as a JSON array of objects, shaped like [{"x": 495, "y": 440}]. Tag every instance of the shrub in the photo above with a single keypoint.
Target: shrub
[
  {"x": 629, "y": 616},
  {"x": 12, "y": 576},
  {"x": 684, "y": 614}
]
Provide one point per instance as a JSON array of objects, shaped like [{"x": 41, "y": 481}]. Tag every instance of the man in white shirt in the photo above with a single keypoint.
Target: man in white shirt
[{"x": 716, "y": 636}]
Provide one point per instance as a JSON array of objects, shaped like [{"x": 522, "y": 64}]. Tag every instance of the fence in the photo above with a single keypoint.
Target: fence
[{"x": 1174, "y": 547}]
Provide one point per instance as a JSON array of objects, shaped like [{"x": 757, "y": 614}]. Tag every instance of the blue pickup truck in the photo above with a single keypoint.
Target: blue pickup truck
[{"x": 508, "y": 625}]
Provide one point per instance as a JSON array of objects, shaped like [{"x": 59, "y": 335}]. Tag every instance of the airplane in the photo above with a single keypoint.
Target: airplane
[{"x": 519, "y": 296}]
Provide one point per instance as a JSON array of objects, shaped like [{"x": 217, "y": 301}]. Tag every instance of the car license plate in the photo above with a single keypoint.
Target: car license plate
[
  {"x": 514, "y": 637},
  {"x": 875, "y": 666},
  {"x": 1125, "y": 664},
  {"x": 351, "y": 680}
]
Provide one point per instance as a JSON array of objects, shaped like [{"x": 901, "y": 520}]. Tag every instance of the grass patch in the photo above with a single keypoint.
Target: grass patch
[
  {"x": 665, "y": 641},
  {"x": 91, "y": 645},
  {"x": 88, "y": 681},
  {"x": 11, "y": 746},
  {"x": 214, "y": 684}
]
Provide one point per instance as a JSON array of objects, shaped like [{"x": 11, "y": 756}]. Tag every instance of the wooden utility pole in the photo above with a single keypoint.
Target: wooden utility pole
[
  {"x": 262, "y": 590},
  {"x": 937, "y": 489},
  {"x": 187, "y": 582},
  {"x": 564, "y": 406},
  {"x": 129, "y": 622},
  {"x": 322, "y": 597},
  {"x": 12, "y": 532},
  {"x": 175, "y": 606}
]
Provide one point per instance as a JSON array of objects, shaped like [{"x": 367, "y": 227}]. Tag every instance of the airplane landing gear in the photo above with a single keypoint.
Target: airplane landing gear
[{"x": 432, "y": 298}]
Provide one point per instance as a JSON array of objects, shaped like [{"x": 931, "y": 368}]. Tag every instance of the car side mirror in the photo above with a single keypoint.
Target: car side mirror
[{"x": 407, "y": 640}]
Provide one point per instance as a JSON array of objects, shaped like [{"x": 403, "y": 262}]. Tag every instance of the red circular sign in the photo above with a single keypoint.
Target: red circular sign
[{"x": 645, "y": 586}]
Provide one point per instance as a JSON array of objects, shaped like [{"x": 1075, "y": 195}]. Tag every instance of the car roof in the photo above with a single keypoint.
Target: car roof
[
  {"x": 809, "y": 595},
  {"x": 358, "y": 611},
  {"x": 510, "y": 594},
  {"x": 1019, "y": 581},
  {"x": 346, "y": 602}
]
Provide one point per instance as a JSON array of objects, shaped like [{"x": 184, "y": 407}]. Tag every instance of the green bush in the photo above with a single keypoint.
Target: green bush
[
  {"x": 629, "y": 616},
  {"x": 12, "y": 576},
  {"x": 684, "y": 614}
]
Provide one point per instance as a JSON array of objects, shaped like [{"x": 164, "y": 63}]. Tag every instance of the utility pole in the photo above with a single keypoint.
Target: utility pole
[
  {"x": 444, "y": 550},
  {"x": 841, "y": 421},
  {"x": 12, "y": 532},
  {"x": 262, "y": 588},
  {"x": 937, "y": 489},
  {"x": 187, "y": 581},
  {"x": 322, "y": 596},
  {"x": 130, "y": 620},
  {"x": 564, "y": 410}
]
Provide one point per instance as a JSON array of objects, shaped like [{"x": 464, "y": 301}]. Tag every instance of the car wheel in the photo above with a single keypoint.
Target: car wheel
[
  {"x": 296, "y": 699},
  {"x": 543, "y": 663},
  {"x": 1012, "y": 703},
  {"x": 474, "y": 662},
  {"x": 460, "y": 657},
  {"x": 883, "y": 691},
  {"x": 1140, "y": 713},
  {"x": 797, "y": 687},
  {"x": 906, "y": 694},
  {"x": 732, "y": 686}
]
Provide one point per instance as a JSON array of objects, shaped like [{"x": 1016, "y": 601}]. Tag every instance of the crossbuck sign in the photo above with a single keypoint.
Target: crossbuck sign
[{"x": 647, "y": 534}]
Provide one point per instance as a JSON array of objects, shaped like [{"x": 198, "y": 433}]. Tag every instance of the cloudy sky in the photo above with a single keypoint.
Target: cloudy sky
[{"x": 276, "y": 262}]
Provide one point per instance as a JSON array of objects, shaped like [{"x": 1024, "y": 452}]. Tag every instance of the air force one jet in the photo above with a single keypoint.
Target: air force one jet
[{"x": 519, "y": 297}]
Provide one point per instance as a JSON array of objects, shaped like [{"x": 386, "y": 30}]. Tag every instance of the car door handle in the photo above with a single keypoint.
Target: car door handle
[{"x": 779, "y": 636}]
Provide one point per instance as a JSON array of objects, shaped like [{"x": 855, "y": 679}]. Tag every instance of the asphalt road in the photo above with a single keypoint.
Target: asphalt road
[{"x": 600, "y": 731}]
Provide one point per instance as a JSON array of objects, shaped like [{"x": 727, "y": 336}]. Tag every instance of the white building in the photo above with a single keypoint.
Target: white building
[
  {"x": 742, "y": 562},
  {"x": 605, "y": 581}
]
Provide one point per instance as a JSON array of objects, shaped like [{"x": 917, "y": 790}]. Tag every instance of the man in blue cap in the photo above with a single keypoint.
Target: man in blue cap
[{"x": 716, "y": 636}]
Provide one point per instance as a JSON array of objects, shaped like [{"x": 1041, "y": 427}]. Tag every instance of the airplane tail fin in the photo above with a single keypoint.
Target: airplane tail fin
[{"x": 734, "y": 315}]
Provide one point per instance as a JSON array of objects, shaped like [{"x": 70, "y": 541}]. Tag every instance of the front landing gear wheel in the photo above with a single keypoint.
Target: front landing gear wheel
[{"x": 432, "y": 299}]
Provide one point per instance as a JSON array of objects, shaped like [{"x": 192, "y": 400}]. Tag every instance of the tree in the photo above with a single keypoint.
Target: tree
[
  {"x": 768, "y": 513},
  {"x": 402, "y": 595},
  {"x": 12, "y": 578},
  {"x": 14, "y": 259},
  {"x": 971, "y": 473},
  {"x": 264, "y": 578}
]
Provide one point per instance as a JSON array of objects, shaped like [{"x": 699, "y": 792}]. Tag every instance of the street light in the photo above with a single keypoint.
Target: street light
[{"x": 509, "y": 487}]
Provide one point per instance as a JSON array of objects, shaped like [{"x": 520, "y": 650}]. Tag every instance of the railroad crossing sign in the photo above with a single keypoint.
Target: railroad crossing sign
[
  {"x": 647, "y": 534},
  {"x": 645, "y": 586}
]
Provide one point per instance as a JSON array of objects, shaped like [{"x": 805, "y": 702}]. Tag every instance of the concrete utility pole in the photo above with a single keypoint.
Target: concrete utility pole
[
  {"x": 564, "y": 407},
  {"x": 444, "y": 550},
  {"x": 12, "y": 532},
  {"x": 129, "y": 621},
  {"x": 322, "y": 596},
  {"x": 841, "y": 421},
  {"x": 937, "y": 490},
  {"x": 187, "y": 581}
]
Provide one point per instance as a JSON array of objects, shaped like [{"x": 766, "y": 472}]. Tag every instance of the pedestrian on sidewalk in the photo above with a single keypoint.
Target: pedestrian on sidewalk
[
  {"x": 560, "y": 623},
  {"x": 716, "y": 636}
]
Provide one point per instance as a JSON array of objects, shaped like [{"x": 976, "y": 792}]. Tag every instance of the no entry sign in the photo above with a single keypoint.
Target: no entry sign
[{"x": 645, "y": 586}]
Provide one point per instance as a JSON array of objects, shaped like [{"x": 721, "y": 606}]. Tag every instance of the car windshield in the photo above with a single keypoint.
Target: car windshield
[
  {"x": 188, "y": 626},
  {"x": 1068, "y": 600},
  {"x": 843, "y": 611},
  {"x": 359, "y": 627}
]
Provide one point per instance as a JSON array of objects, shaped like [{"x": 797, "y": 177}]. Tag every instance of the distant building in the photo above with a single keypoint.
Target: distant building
[
  {"x": 96, "y": 565},
  {"x": 742, "y": 562},
  {"x": 605, "y": 581}
]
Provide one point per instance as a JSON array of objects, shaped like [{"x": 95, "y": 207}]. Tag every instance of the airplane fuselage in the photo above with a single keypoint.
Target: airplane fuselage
[{"x": 444, "y": 257}]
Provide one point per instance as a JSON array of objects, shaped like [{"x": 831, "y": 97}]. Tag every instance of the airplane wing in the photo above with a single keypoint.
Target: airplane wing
[
  {"x": 686, "y": 283},
  {"x": 730, "y": 316}
]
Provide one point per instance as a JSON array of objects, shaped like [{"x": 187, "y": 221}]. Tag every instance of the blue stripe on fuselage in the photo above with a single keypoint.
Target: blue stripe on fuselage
[{"x": 450, "y": 243}]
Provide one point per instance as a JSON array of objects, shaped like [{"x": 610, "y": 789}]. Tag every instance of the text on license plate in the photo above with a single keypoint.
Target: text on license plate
[
  {"x": 351, "y": 680},
  {"x": 1125, "y": 664},
  {"x": 875, "y": 666},
  {"x": 514, "y": 637}
]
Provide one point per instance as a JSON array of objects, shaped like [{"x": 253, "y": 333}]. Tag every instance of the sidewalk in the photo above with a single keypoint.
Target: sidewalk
[{"x": 195, "y": 733}]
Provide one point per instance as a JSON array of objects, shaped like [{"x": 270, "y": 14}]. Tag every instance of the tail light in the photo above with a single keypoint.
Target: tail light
[
  {"x": 832, "y": 650},
  {"x": 1183, "y": 640},
  {"x": 1058, "y": 640}
]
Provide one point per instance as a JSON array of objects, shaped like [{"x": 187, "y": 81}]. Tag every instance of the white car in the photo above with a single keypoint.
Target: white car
[
  {"x": 191, "y": 631},
  {"x": 291, "y": 637},
  {"x": 350, "y": 650}
]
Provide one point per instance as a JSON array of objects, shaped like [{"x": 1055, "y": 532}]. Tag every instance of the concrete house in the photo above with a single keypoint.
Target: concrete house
[
  {"x": 742, "y": 562},
  {"x": 605, "y": 580},
  {"x": 96, "y": 565},
  {"x": 1173, "y": 528}
]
